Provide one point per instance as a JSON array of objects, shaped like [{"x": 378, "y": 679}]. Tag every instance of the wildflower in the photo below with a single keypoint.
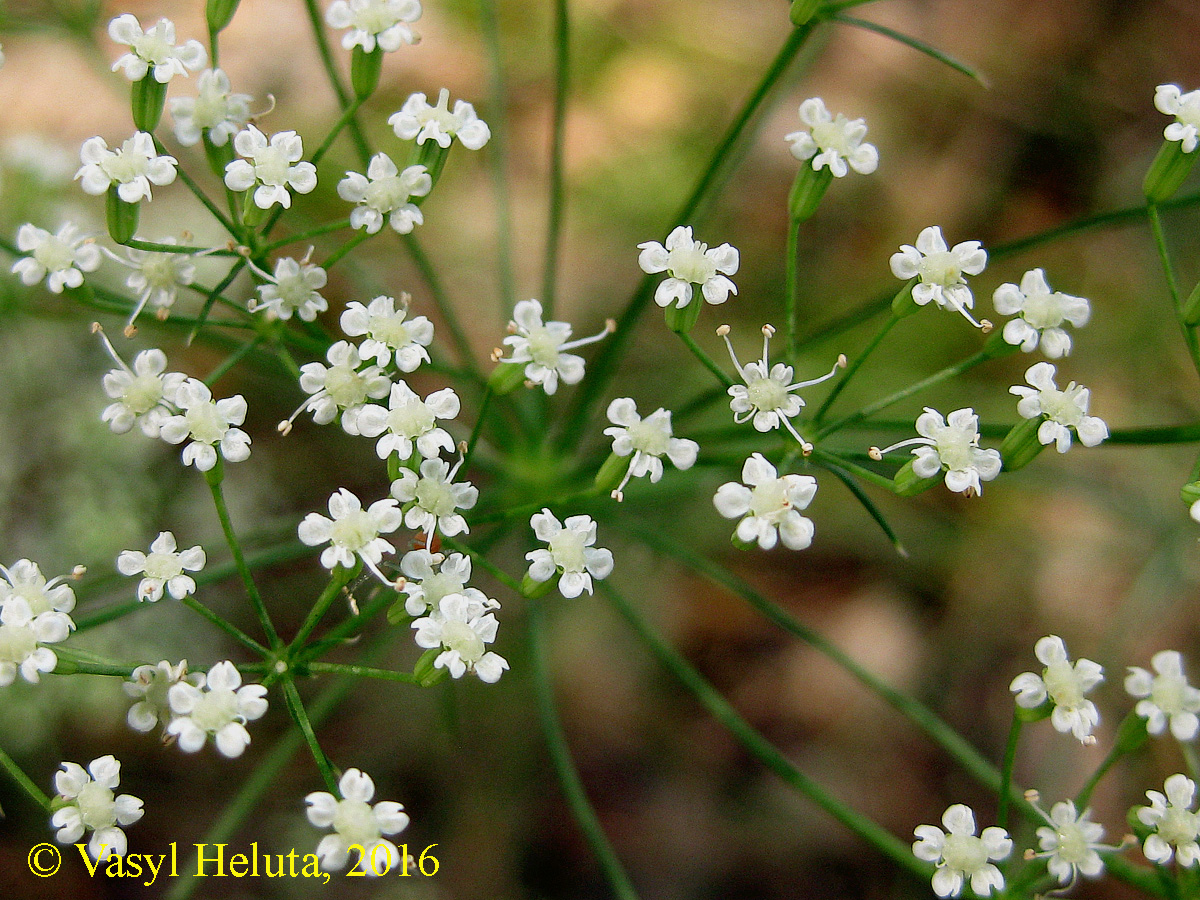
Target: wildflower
[
  {"x": 768, "y": 505},
  {"x": 142, "y": 395},
  {"x": 1169, "y": 99},
  {"x": 209, "y": 424},
  {"x": 766, "y": 397},
  {"x": 463, "y": 628},
  {"x": 24, "y": 579},
  {"x": 648, "y": 439},
  {"x": 1065, "y": 685},
  {"x": 389, "y": 332},
  {"x": 132, "y": 168},
  {"x": 23, "y": 636},
  {"x": 960, "y": 855},
  {"x": 218, "y": 705},
  {"x": 273, "y": 167},
  {"x": 940, "y": 271},
  {"x": 1175, "y": 826},
  {"x": 435, "y": 498},
  {"x": 1063, "y": 410},
  {"x": 215, "y": 109},
  {"x": 356, "y": 823},
  {"x": 571, "y": 553},
  {"x": 154, "y": 49},
  {"x": 371, "y": 22},
  {"x": 424, "y": 587},
  {"x": 149, "y": 686},
  {"x": 155, "y": 277},
  {"x": 352, "y": 531},
  {"x": 833, "y": 142},
  {"x": 417, "y": 119},
  {"x": 1040, "y": 314},
  {"x": 1069, "y": 841},
  {"x": 950, "y": 445},
  {"x": 292, "y": 289},
  {"x": 689, "y": 262},
  {"x": 86, "y": 802},
  {"x": 542, "y": 346},
  {"x": 1166, "y": 697},
  {"x": 385, "y": 192},
  {"x": 340, "y": 386},
  {"x": 410, "y": 422},
  {"x": 163, "y": 568},
  {"x": 60, "y": 258}
]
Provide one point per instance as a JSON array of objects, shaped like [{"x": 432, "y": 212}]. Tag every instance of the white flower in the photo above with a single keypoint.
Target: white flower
[
  {"x": 648, "y": 439},
  {"x": 424, "y": 587},
  {"x": 356, "y": 823},
  {"x": 410, "y": 422},
  {"x": 24, "y": 579},
  {"x": 1065, "y": 684},
  {"x": 435, "y": 498},
  {"x": 22, "y": 636},
  {"x": 834, "y": 141},
  {"x": 217, "y": 705},
  {"x": 384, "y": 193},
  {"x": 689, "y": 262},
  {"x": 542, "y": 347},
  {"x": 1063, "y": 410},
  {"x": 142, "y": 395},
  {"x": 339, "y": 386},
  {"x": 86, "y": 802},
  {"x": 149, "y": 686},
  {"x": 940, "y": 270},
  {"x": 155, "y": 277},
  {"x": 132, "y": 168},
  {"x": 215, "y": 109},
  {"x": 163, "y": 568},
  {"x": 292, "y": 289},
  {"x": 1169, "y": 99},
  {"x": 1040, "y": 314},
  {"x": 59, "y": 258},
  {"x": 1069, "y": 842},
  {"x": 209, "y": 424},
  {"x": 154, "y": 49},
  {"x": 1175, "y": 826},
  {"x": 952, "y": 445},
  {"x": 371, "y": 22},
  {"x": 571, "y": 553},
  {"x": 960, "y": 855},
  {"x": 463, "y": 627},
  {"x": 390, "y": 331},
  {"x": 766, "y": 397},
  {"x": 273, "y": 167},
  {"x": 768, "y": 505},
  {"x": 1167, "y": 696},
  {"x": 353, "y": 531},
  {"x": 417, "y": 119}
]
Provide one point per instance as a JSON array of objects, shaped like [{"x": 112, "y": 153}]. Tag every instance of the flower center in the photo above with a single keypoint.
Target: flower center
[
  {"x": 1168, "y": 692},
  {"x": 434, "y": 496},
  {"x": 345, "y": 386},
  {"x": 143, "y": 393},
  {"x": 354, "y": 531},
  {"x": 17, "y": 643},
  {"x": 766, "y": 394},
  {"x": 649, "y": 437},
  {"x": 1042, "y": 310},
  {"x": 390, "y": 330},
  {"x": 211, "y": 108},
  {"x": 769, "y": 500},
  {"x": 215, "y": 709},
  {"x": 385, "y": 194},
  {"x": 159, "y": 272},
  {"x": 438, "y": 586},
  {"x": 1178, "y": 826},
  {"x": 54, "y": 255},
  {"x": 97, "y": 806},
  {"x": 294, "y": 290},
  {"x": 163, "y": 566},
  {"x": 206, "y": 423},
  {"x": 125, "y": 165},
  {"x": 1061, "y": 406},
  {"x": 1062, "y": 685},
  {"x": 440, "y": 114},
  {"x": 543, "y": 347},
  {"x": 411, "y": 420},
  {"x": 271, "y": 167},
  {"x": 954, "y": 449},
  {"x": 566, "y": 548},
  {"x": 152, "y": 48},
  {"x": 690, "y": 264},
  {"x": 940, "y": 268},
  {"x": 373, "y": 19},
  {"x": 462, "y": 639},
  {"x": 964, "y": 852},
  {"x": 832, "y": 136},
  {"x": 355, "y": 822},
  {"x": 1072, "y": 845}
]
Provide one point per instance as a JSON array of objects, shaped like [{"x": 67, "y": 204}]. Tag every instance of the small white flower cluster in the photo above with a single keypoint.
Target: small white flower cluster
[
  {"x": 163, "y": 568},
  {"x": 86, "y": 802},
  {"x": 541, "y": 347},
  {"x": 34, "y": 612}
]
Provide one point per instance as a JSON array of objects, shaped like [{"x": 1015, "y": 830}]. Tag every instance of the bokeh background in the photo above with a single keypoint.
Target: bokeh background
[{"x": 1095, "y": 547}]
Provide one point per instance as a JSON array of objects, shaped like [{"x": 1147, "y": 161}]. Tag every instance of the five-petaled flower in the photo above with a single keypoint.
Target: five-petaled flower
[
  {"x": 215, "y": 109},
  {"x": 385, "y": 194},
  {"x": 148, "y": 686},
  {"x": 1062, "y": 410},
  {"x": 1176, "y": 826},
  {"x": 960, "y": 855},
  {"x": 356, "y": 823},
  {"x": 571, "y": 553},
  {"x": 154, "y": 50},
  {"x": 417, "y": 119},
  {"x": 1166, "y": 697},
  {"x": 939, "y": 271},
  {"x": 23, "y": 636},
  {"x": 371, "y": 22},
  {"x": 60, "y": 258},
  {"x": 648, "y": 440},
  {"x": 689, "y": 262},
  {"x": 294, "y": 288},
  {"x": 219, "y": 705},
  {"x": 132, "y": 167},
  {"x": 768, "y": 505},
  {"x": 435, "y": 499},
  {"x": 950, "y": 445},
  {"x": 273, "y": 167},
  {"x": 410, "y": 422},
  {"x": 463, "y": 627},
  {"x": 353, "y": 531},
  {"x": 163, "y": 567},
  {"x": 541, "y": 347},
  {"x": 1040, "y": 314},
  {"x": 209, "y": 424},
  {"x": 24, "y": 579},
  {"x": 1169, "y": 99},
  {"x": 86, "y": 802},
  {"x": 1069, "y": 841},
  {"x": 424, "y": 587},
  {"x": 389, "y": 332},
  {"x": 142, "y": 395},
  {"x": 344, "y": 385},
  {"x": 834, "y": 141},
  {"x": 1065, "y": 685},
  {"x": 156, "y": 277}
]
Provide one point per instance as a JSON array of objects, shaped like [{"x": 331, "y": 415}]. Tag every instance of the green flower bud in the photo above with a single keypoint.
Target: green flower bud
[
  {"x": 122, "y": 216},
  {"x": 535, "y": 589},
  {"x": 425, "y": 672},
  {"x": 1190, "y": 492},
  {"x": 612, "y": 472},
  {"x": 147, "y": 99},
  {"x": 1131, "y": 734},
  {"x": 1021, "y": 445},
  {"x": 433, "y": 157},
  {"x": 1168, "y": 171},
  {"x": 803, "y": 10},
  {"x": 1036, "y": 714},
  {"x": 807, "y": 190},
  {"x": 252, "y": 214},
  {"x": 681, "y": 320},
  {"x": 219, "y": 13},
  {"x": 364, "y": 70},
  {"x": 908, "y": 483},
  {"x": 506, "y": 378},
  {"x": 398, "y": 615}
]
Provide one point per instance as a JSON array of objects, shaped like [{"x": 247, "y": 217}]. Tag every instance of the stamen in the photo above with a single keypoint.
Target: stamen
[
  {"x": 910, "y": 442},
  {"x": 610, "y": 326},
  {"x": 840, "y": 364},
  {"x": 97, "y": 328},
  {"x": 723, "y": 332}
]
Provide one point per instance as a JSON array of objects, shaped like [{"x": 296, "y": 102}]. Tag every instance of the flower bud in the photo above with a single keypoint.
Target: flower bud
[
  {"x": 433, "y": 157},
  {"x": 122, "y": 216},
  {"x": 425, "y": 672},
  {"x": 807, "y": 190},
  {"x": 398, "y": 615},
  {"x": 506, "y": 378},
  {"x": 1168, "y": 171},
  {"x": 612, "y": 472},
  {"x": 252, "y": 214},
  {"x": 803, "y": 10},
  {"x": 535, "y": 589},
  {"x": 147, "y": 99},
  {"x": 219, "y": 13},
  {"x": 1021, "y": 445},
  {"x": 681, "y": 320},
  {"x": 1190, "y": 492},
  {"x": 364, "y": 71},
  {"x": 1131, "y": 734},
  {"x": 908, "y": 483},
  {"x": 1036, "y": 714}
]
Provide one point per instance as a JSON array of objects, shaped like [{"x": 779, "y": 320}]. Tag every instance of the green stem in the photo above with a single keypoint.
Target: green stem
[
  {"x": 1189, "y": 756},
  {"x": 1006, "y": 770},
  {"x": 347, "y": 627},
  {"x": 338, "y": 580},
  {"x": 335, "y": 80},
  {"x": 361, "y": 672},
  {"x": 854, "y": 366},
  {"x": 154, "y": 247},
  {"x": 562, "y": 76},
  {"x": 304, "y": 236},
  {"x": 225, "y": 625},
  {"x": 347, "y": 115},
  {"x": 191, "y": 185},
  {"x": 232, "y": 360},
  {"x": 478, "y": 429},
  {"x": 299, "y": 715},
  {"x": 791, "y": 285},
  {"x": 9, "y": 765},
  {"x": 824, "y": 456},
  {"x": 1160, "y": 243},
  {"x": 498, "y": 153},
  {"x": 477, "y": 557},
  {"x": 332, "y": 258},
  {"x": 705, "y": 359},
  {"x": 445, "y": 308}
]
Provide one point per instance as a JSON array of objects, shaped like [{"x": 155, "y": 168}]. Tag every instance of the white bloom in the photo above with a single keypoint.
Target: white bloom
[
  {"x": 1169, "y": 99},
  {"x": 960, "y": 855},
  {"x": 24, "y": 579},
  {"x": 155, "y": 277},
  {"x": 463, "y": 627},
  {"x": 1065, "y": 684},
  {"x": 340, "y": 386},
  {"x": 163, "y": 568},
  {"x": 154, "y": 49},
  {"x": 1063, "y": 410},
  {"x": 356, "y": 823},
  {"x": 768, "y": 505},
  {"x": 542, "y": 347},
  {"x": 59, "y": 258},
  {"x": 141, "y": 395},
  {"x": 215, "y": 109},
  {"x": 417, "y": 119},
  {"x": 435, "y": 498},
  {"x": 209, "y": 424},
  {"x": 217, "y": 705},
  {"x": 1166, "y": 697},
  {"x": 292, "y": 289},
  {"x": 22, "y": 639},
  {"x": 410, "y": 422},
  {"x": 571, "y": 552},
  {"x": 389, "y": 331},
  {"x": 952, "y": 445},
  {"x": 1175, "y": 826},
  {"x": 132, "y": 168},
  {"x": 274, "y": 167},
  {"x": 940, "y": 270},
  {"x": 371, "y": 22},
  {"x": 86, "y": 802},
  {"x": 148, "y": 686},
  {"x": 424, "y": 587},
  {"x": 353, "y": 531},
  {"x": 648, "y": 439},
  {"x": 833, "y": 142},
  {"x": 689, "y": 262},
  {"x": 1040, "y": 314},
  {"x": 384, "y": 193},
  {"x": 1070, "y": 842}
]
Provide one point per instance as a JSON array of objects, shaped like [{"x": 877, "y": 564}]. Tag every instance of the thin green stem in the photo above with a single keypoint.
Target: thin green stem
[
  {"x": 498, "y": 153},
  {"x": 853, "y": 367},
  {"x": 347, "y": 627},
  {"x": 462, "y": 345},
  {"x": 916, "y": 44},
  {"x": 347, "y": 115},
  {"x": 299, "y": 715},
  {"x": 1188, "y": 749},
  {"x": 361, "y": 672},
  {"x": 338, "y": 580},
  {"x": 155, "y": 247},
  {"x": 332, "y": 258},
  {"x": 232, "y": 360},
  {"x": 1130, "y": 725},
  {"x": 1006, "y": 769},
  {"x": 791, "y": 285},
  {"x": 320, "y": 230},
  {"x": 1160, "y": 244},
  {"x": 225, "y": 625},
  {"x": 191, "y": 185},
  {"x": 562, "y": 78},
  {"x": 477, "y": 557},
  {"x": 706, "y": 360},
  {"x": 821, "y": 456},
  {"x": 9, "y": 765},
  {"x": 335, "y": 80},
  {"x": 478, "y": 429}
]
